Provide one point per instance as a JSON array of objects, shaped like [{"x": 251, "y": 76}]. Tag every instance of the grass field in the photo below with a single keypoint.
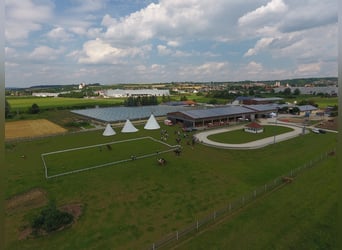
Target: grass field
[
  {"x": 102, "y": 155},
  {"x": 293, "y": 225},
  {"x": 240, "y": 136},
  {"x": 131, "y": 207},
  {"x": 22, "y": 104}
]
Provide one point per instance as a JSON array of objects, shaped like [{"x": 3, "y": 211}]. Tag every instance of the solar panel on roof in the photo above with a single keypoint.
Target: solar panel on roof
[{"x": 116, "y": 114}]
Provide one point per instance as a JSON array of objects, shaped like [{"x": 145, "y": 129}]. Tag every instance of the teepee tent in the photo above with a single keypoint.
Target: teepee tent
[
  {"x": 152, "y": 123},
  {"x": 129, "y": 127},
  {"x": 108, "y": 131}
]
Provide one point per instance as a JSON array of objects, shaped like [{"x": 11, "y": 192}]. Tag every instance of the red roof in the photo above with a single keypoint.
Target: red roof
[{"x": 254, "y": 125}]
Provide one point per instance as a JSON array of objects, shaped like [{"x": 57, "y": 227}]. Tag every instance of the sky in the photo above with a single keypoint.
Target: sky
[{"x": 150, "y": 41}]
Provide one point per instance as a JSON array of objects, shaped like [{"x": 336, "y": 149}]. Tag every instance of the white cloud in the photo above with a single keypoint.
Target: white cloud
[
  {"x": 254, "y": 68},
  {"x": 83, "y": 6},
  {"x": 45, "y": 53},
  {"x": 99, "y": 51},
  {"x": 261, "y": 44},
  {"x": 209, "y": 71},
  {"x": 308, "y": 69},
  {"x": 59, "y": 34},
  {"x": 24, "y": 17},
  {"x": 163, "y": 50},
  {"x": 273, "y": 8}
]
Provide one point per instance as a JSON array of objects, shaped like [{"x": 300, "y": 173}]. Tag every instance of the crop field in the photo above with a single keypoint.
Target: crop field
[
  {"x": 22, "y": 104},
  {"x": 80, "y": 159},
  {"x": 132, "y": 205}
]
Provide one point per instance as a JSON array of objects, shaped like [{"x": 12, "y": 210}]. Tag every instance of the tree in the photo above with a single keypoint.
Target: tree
[
  {"x": 183, "y": 98},
  {"x": 7, "y": 109},
  {"x": 287, "y": 91},
  {"x": 34, "y": 109},
  {"x": 296, "y": 91}
]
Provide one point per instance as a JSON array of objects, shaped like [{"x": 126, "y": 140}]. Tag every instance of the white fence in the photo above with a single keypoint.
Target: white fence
[{"x": 234, "y": 205}]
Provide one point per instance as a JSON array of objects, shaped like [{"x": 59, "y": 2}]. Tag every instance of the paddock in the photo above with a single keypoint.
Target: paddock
[{"x": 31, "y": 128}]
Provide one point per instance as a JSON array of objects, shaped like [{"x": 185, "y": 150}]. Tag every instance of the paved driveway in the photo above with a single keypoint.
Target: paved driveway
[{"x": 203, "y": 136}]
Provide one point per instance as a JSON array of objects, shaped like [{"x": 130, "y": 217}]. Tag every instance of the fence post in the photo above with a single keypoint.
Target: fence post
[
  {"x": 265, "y": 187},
  {"x": 197, "y": 225},
  {"x": 243, "y": 200},
  {"x": 230, "y": 207},
  {"x": 153, "y": 247},
  {"x": 177, "y": 235},
  {"x": 214, "y": 215},
  {"x": 254, "y": 193}
]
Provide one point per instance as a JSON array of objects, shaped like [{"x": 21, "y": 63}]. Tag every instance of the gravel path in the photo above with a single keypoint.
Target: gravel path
[{"x": 203, "y": 136}]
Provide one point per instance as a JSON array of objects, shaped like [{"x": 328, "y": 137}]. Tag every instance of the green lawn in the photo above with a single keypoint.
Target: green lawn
[
  {"x": 302, "y": 215},
  {"x": 22, "y": 104},
  {"x": 130, "y": 206},
  {"x": 109, "y": 155},
  {"x": 240, "y": 136}
]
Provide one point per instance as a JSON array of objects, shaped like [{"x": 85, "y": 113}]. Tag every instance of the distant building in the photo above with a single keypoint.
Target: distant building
[
  {"x": 45, "y": 94},
  {"x": 117, "y": 93},
  {"x": 81, "y": 85},
  {"x": 329, "y": 90}
]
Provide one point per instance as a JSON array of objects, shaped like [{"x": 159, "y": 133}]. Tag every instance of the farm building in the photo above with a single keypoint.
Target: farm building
[
  {"x": 220, "y": 116},
  {"x": 119, "y": 93},
  {"x": 254, "y": 127}
]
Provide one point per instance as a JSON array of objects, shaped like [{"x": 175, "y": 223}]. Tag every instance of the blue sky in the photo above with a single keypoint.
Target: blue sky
[{"x": 142, "y": 41}]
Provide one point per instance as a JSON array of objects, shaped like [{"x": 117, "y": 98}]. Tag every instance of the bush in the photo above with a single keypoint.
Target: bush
[
  {"x": 51, "y": 219},
  {"x": 34, "y": 109}
]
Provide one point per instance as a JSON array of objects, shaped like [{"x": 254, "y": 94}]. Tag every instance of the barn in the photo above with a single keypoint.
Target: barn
[{"x": 212, "y": 117}]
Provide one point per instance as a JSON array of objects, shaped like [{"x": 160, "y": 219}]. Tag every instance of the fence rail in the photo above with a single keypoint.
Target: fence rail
[{"x": 236, "y": 204}]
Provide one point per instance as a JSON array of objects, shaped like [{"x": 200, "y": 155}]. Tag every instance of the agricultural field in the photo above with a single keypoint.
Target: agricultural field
[
  {"x": 22, "y": 104},
  {"x": 132, "y": 205}
]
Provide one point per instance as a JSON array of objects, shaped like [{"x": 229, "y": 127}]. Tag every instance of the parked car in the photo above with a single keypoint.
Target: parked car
[
  {"x": 322, "y": 131},
  {"x": 315, "y": 130}
]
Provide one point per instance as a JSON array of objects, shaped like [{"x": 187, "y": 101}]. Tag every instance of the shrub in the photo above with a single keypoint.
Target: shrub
[{"x": 51, "y": 219}]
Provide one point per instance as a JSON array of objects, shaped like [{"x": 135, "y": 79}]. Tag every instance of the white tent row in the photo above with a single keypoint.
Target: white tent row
[{"x": 151, "y": 124}]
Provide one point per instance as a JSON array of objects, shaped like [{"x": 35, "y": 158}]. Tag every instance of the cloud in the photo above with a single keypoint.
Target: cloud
[
  {"x": 301, "y": 17},
  {"x": 209, "y": 71},
  {"x": 24, "y": 17},
  {"x": 308, "y": 69},
  {"x": 84, "y": 6},
  {"x": 163, "y": 50},
  {"x": 59, "y": 34},
  {"x": 261, "y": 44},
  {"x": 99, "y": 51},
  {"x": 171, "y": 21},
  {"x": 254, "y": 68},
  {"x": 261, "y": 14},
  {"x": 45, "y": 53}
]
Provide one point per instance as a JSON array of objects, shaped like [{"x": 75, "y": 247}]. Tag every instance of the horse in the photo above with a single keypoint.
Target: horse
[{"x": 161, "y": 161}]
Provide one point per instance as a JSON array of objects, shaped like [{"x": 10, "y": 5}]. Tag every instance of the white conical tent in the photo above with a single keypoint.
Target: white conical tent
[
  {"x": 108, "y": 131},
  {"x": 129, "y": 127},
  {"x": 151, "y": 123}
]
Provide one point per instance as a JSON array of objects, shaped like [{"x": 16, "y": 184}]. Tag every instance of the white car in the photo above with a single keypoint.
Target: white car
[{"x": 315, "y": 130}]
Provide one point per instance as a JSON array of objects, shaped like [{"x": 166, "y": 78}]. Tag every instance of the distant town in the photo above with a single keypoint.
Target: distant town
[{"x": 308, "y": 86}]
